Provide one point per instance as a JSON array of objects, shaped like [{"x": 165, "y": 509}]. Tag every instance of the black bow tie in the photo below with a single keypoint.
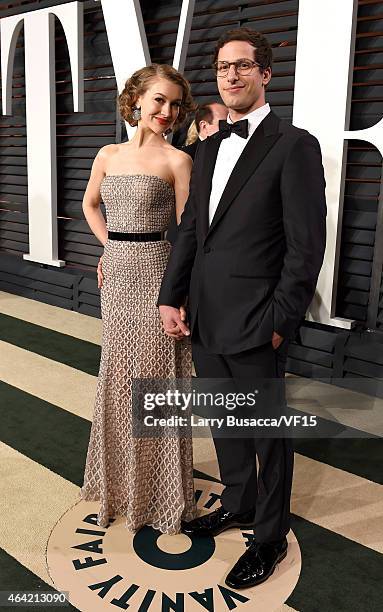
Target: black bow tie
[{"x": 239, "y": 127}]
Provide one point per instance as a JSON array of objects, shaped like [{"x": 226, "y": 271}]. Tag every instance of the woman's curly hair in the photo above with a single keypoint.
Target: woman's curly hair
[{"x": 138, "y": 84}]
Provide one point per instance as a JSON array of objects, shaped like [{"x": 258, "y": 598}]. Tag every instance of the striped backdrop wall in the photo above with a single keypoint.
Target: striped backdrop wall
[{"x": 324, "y": 352}]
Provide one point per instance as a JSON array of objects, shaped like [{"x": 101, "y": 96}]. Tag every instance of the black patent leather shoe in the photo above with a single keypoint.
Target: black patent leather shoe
[
  {"x": 256, "y": 565},
  {"x": 218, "y": 521}
]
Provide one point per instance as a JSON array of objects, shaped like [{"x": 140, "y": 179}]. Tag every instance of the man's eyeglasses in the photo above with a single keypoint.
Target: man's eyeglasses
[{"x": 242, "y": 67}]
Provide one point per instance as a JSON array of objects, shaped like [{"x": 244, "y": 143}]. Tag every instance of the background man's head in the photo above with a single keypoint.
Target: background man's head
[
  {"x": 207, "y": 118},
  {"x": 242, "y": 62}
]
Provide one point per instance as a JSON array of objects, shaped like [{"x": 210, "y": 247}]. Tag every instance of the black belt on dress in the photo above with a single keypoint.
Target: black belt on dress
[{"x": 136, "y": 237}]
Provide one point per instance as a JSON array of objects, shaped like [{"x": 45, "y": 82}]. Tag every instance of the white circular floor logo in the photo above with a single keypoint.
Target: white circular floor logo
[{"x": 113, "y": 569}]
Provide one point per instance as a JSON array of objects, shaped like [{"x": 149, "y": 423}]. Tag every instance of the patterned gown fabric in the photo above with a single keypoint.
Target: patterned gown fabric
[{"x": 147, "y": 480}]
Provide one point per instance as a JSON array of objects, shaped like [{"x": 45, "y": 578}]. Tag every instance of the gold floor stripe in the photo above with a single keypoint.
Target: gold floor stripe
[
  {"x": 25, "y": 523},
  {"x": 53, "y": 382},
  {"x": 358, "y": 410},
  {"x": 339, "y": 501},
  {"x": 61, "y": 320}
]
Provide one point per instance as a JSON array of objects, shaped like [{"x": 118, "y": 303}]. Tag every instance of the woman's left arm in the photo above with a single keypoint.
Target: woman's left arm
[{"x": 181, "y": 172}]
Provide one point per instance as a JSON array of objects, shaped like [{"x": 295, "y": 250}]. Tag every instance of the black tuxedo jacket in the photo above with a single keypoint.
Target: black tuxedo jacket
[
  {"x": 254, "y": 270},
  {"x": 192, "y": 148}
]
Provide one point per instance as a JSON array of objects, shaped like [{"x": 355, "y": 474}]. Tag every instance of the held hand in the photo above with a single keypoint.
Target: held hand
[
  {"x": 173, "y": 323},
  {"x": 183, "y": 314},
  {"x": 276, "y": 340},
  {"x": 100, "y": 277}
]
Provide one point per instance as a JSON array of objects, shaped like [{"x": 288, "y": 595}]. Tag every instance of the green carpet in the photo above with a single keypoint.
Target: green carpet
[
  {"x": 79, "y": 354},
  {"x": 15, "y": 577}
]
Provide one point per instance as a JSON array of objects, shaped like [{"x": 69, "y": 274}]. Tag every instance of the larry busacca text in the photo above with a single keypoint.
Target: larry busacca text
[{"x": 231, "y": 421}]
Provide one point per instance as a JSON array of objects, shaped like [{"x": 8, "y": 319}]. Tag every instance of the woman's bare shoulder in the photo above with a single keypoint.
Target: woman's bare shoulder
[
  {"x": 178, "y": 158},
  {"x": 107, "y": 151},
  {"x": 104, "y": 157}
]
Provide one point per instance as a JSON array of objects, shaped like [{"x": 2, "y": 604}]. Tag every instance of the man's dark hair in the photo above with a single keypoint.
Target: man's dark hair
[
  {"x": 204, "y": 113},
  {"x": 263, "y": 53}
]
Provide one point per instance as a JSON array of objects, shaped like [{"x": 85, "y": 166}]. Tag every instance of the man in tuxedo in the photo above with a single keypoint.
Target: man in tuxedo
[{"x": 249, "y": 249}]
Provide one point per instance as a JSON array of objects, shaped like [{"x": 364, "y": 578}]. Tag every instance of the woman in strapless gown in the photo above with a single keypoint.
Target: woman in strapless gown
[{"x": 149, "y": 481}]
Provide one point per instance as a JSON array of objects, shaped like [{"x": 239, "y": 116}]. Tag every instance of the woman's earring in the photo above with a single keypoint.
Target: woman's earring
[
  {"x": 168, "y": 131},
  {"x": 136, "y": 114}
]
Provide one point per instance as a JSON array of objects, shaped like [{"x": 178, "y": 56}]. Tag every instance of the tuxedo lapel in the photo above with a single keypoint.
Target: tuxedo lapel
[
  {"x": 210, "y": 157},
  {"x": 259, "y": 144}
]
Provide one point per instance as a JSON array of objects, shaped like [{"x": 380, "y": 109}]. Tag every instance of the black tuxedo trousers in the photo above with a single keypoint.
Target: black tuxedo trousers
[{"x": 268, "y": 490}]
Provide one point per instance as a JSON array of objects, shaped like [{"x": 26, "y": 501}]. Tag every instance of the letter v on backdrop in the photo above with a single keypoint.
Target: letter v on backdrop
[
  {"x": 322, "y": 99},
  {"x": 127, "y": 38}
]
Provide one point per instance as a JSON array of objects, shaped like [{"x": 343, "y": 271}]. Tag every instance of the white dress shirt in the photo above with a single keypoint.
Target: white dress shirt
[{"x": 228, "y": 154}]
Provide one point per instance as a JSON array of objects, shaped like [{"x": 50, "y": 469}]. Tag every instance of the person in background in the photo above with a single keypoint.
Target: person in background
[
  {"x": 206, "y": 122},
  {"x": 192, "y": 134}
]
